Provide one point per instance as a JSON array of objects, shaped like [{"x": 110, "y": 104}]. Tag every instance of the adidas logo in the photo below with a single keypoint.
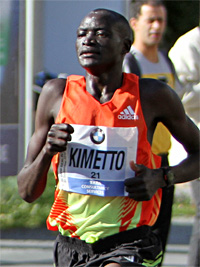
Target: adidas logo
[{"x": 127, "y": 114}]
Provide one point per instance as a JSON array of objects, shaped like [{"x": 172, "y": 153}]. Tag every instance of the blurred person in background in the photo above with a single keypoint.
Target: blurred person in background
[{"x": 185, "y": 55}]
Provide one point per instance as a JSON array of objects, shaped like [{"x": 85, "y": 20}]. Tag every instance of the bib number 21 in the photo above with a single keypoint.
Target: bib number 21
[{"x": 95, "y": 175}]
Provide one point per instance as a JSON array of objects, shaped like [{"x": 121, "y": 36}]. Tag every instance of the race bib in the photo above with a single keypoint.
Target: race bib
[{"x": 96, "y": 161}]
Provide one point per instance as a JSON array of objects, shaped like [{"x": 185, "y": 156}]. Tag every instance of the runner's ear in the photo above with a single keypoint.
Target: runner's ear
[{"x": 127, "y": 46}]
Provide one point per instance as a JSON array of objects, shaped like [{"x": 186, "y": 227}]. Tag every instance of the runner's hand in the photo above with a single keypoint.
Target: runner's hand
[
  {"x": 143, "y": 186},
  {"x": 57, "y": 138}
]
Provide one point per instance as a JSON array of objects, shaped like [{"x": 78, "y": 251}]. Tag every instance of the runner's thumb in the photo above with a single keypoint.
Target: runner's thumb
[{"x": 135, "y": 167}]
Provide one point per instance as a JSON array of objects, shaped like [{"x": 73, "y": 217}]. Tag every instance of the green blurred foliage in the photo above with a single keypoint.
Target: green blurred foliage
[
  {"x": 15, "y": 212},
  {"x": 183, "y": 206}
]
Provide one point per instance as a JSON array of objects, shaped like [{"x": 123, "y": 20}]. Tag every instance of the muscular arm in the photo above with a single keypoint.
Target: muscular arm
[
  {"x": 47, "y": 140},
  {"x": 184, "y": 131},
  {"x": 161, "y": 104}
]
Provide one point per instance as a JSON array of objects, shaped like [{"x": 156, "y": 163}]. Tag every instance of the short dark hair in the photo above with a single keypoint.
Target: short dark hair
[
  {"x": 135, "y": 6},
  {"x": 122, "y": 23}
]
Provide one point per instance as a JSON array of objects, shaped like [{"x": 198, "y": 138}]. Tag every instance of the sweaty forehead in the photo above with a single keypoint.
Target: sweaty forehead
[{"x": 97, "y": 20}]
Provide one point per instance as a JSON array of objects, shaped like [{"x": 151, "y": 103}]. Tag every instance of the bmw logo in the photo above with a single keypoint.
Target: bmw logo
[{"x": 97, "y": 136}]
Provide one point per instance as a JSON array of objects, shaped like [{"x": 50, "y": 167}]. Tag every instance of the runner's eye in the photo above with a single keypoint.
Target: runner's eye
[
  {"x": 101, "y": 33},
  {"x": 81, "y": 33}
]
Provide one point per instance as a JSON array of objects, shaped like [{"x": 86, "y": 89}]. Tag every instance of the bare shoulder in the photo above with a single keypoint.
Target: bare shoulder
[
  {"x": 153, "y": 87},
  {"x": 157, "y": 95},
  {"x": 54, "y": 86},
  {"x": 51, "y": 97},
  {"x": 160, "y": 103}
]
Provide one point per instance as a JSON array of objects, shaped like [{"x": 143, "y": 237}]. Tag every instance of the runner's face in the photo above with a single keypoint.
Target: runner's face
[
  {"x": 151, "y": 24},
  {"x": 98, "y": 42}
]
